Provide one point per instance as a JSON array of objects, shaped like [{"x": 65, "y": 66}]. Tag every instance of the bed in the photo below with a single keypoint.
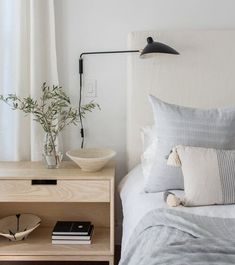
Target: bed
[{"x": 202, "y": 76}]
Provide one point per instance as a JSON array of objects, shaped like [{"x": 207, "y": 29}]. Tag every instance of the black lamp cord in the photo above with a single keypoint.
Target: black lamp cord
[
  {"x": 80, "y": 113},
  {"x": 80, "y": 101},
  {"x": 80, "y": 92}
]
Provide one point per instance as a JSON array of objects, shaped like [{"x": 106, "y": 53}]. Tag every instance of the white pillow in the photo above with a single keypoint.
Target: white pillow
[
  {"x": 147, "y": 159},
  {"x": 174, "y": 125},
  {"x": 209, "y": 174},
  {"x": 147, "y": 136}
]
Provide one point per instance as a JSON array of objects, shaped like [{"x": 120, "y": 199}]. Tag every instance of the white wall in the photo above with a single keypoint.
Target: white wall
[{"x": 96, "y": 25}]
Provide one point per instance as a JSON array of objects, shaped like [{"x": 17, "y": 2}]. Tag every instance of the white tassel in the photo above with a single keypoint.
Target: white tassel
[
  {"x": 173, "y": 159},
  {"x": 173, "y": 201}
]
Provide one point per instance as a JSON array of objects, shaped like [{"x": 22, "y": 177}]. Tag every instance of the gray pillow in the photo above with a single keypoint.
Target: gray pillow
[{"x": 177, "y": 125}]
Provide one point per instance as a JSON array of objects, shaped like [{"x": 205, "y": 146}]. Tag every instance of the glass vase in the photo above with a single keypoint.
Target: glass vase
[{"x": 52, "y": 152}]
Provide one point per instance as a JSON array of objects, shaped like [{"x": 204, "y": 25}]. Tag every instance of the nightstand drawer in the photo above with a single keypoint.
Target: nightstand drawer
[{"x": 55, "y": 191}]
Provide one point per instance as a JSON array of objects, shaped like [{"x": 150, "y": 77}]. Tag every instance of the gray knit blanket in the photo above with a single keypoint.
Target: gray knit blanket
[{"x": 177, "y": 238}]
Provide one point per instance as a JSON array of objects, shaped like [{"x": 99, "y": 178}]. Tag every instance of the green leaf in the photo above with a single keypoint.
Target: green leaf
[{"x": 53, "y": 110}]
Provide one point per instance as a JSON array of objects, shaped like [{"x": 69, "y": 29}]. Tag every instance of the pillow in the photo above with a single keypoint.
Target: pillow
[
  {"x": 147, "y": 136},
  {"x": 209, "y": 174},
  {"x": 147, "y": 159},
  {"x": 175, "y": 125}
]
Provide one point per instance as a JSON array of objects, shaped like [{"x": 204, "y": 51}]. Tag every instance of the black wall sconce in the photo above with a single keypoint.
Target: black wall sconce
[{"x": 151, "y": 47}]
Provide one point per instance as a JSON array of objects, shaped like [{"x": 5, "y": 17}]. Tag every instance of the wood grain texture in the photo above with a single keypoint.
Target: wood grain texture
[
  {"x": 37, "y": 170},
  {"x": 97, "y": 213},
  {"x": 77, "y": 196},
  {"x": 116, "y": 261},
  {"x": 112, "y": 212},
  {"x": 38, "y": 244},
  {"x": 64, "y": 191}
]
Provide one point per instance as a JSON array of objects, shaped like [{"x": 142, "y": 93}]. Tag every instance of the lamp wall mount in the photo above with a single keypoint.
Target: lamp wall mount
[
  {"x": 151, "y": 47},
  {"x": 81, "y": 82}
]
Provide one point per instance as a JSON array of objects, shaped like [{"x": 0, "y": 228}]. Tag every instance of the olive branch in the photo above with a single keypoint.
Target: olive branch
[{"x": 53, "y": 111}]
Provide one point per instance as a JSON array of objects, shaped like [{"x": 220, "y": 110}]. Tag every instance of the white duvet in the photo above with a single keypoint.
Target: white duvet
[{"x": 136, "y": 203}]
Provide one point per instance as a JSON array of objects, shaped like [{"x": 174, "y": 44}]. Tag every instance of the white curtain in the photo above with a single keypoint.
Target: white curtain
[{"x": 27, "y": 59}]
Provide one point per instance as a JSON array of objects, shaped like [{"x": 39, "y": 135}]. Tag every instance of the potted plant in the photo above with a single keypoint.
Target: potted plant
[{"x": 53, "y": 111}]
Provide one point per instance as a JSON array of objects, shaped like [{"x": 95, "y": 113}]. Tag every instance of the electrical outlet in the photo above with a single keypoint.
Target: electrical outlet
[{"x": 90, "y": 88}]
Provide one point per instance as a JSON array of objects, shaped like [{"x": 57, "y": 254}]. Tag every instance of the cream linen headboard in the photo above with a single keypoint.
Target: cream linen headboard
[{"x": 203, "y": 75}]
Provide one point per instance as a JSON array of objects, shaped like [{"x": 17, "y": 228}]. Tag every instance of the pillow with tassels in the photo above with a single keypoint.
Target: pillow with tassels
[{"x": 209, "y": 175}]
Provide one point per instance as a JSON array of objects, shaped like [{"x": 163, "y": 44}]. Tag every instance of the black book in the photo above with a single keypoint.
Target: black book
[
  {"x": 71, "y": 228},
  {"x": 74, "y": 237},
  {"x": 67, "y": 239}
]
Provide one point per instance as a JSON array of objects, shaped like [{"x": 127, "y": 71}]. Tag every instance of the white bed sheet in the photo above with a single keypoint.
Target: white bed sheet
[{"x": 136, "y": 203}]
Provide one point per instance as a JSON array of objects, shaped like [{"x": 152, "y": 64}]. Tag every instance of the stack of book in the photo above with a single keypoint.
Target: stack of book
[{"x": 66, "y": 232}]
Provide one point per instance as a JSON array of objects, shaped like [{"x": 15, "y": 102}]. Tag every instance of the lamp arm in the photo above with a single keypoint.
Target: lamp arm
[
  {"x": 80, "y": 77},
  {"x": 105, "y": 52}
]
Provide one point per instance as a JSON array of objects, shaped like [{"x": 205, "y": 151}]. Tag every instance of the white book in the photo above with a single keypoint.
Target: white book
[
  {"x": 71, "y": 242},
  {"x": 71, "y": 237}
]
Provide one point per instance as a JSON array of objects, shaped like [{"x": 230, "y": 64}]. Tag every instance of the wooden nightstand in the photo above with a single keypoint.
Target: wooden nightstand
[{"x": 77, "y": 195}]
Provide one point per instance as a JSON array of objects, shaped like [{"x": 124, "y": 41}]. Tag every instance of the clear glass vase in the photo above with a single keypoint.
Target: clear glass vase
[{"x": 52, "y": 152}]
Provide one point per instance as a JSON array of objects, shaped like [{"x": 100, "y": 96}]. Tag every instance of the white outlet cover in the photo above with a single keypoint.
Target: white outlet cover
[{"x": 90, "y": 88}]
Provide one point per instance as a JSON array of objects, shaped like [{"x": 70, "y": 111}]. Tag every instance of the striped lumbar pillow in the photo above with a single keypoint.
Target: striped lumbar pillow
[
  {"x": 174, "y": 125},
  {"x": 209, "y": 174}
]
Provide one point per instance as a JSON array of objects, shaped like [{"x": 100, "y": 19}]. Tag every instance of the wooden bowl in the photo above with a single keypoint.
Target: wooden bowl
[
  {"x": 18, "y": 227},
  {"x": 91, "y": 159}
]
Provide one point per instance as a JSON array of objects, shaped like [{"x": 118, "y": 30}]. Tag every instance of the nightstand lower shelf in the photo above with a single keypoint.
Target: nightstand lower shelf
[
  {"x": 38, "y": 246},
  {"x": 77, "y": 195}
]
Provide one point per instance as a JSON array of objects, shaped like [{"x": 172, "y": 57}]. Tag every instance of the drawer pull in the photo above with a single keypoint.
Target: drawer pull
[{"x": 44, "y": 182}]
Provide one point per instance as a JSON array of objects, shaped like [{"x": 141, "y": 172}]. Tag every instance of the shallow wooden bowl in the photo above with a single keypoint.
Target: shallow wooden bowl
[{"x": 91, "y": 159}]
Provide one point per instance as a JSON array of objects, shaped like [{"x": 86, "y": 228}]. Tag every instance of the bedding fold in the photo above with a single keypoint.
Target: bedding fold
[{"x": 166, "y": 236}]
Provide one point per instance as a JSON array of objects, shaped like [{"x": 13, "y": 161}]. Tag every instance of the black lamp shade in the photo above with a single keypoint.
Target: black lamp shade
[{"x": 156, "y": 47}]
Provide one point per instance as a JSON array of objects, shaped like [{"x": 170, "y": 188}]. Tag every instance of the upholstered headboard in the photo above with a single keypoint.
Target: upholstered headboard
[{"x": 203, "y": 75}]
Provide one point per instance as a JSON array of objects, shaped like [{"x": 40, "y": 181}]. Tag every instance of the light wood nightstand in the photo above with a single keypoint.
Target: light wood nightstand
[{"x": 74, "y": 195}]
